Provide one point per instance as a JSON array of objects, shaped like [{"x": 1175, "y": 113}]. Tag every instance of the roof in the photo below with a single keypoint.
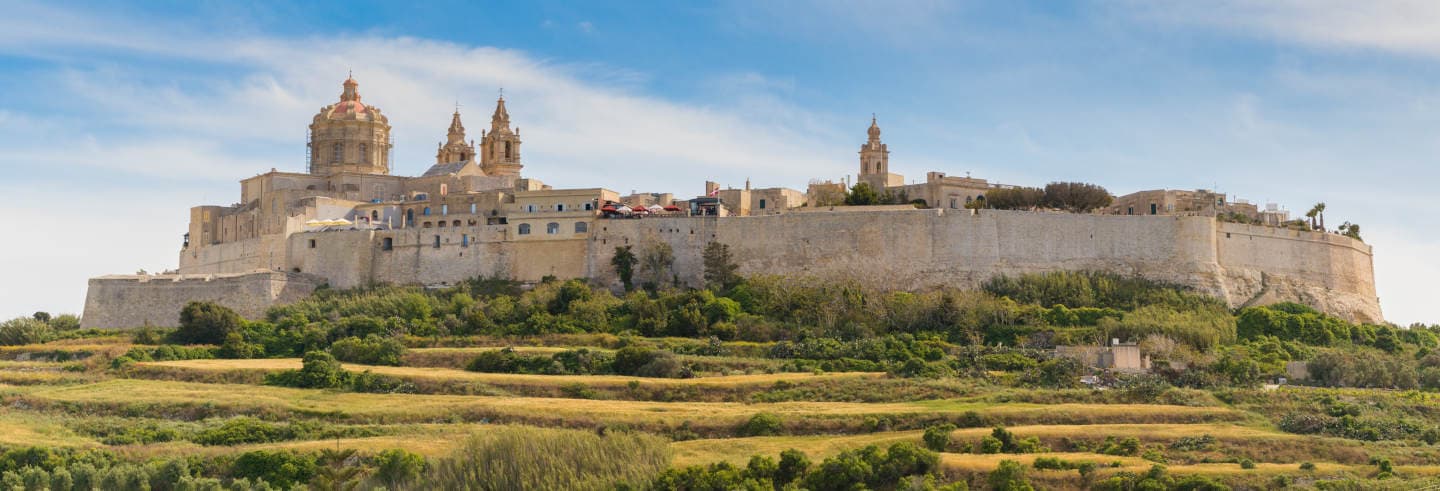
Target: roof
[{"x": 444, "y": 169}]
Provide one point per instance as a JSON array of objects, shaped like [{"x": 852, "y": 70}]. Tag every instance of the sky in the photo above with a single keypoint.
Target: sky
[{"x": 116, "y": 119}]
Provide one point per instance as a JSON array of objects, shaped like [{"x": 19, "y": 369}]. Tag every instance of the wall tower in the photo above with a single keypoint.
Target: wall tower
[
  {"x": 349, "y": 136},
  {"x": 500, "y": 147}
]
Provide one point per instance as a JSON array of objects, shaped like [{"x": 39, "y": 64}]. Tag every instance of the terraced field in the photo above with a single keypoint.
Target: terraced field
[{"x": 83, "y": 403}]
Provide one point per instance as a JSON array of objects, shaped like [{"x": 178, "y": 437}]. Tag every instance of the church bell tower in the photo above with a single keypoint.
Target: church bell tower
[{"x": 500, "y": 147}]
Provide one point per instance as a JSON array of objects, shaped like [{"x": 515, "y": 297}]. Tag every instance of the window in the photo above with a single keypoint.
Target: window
[
  {"x": 387, "y": 244},
  {"x": 444, "y": 189},
  {"x": 552, "y": 228},
  {"x": 456, "y": 223},
  {"x": 426, "y": 224},
  {"x": 472, "y": 208},
  {"x": 422, "y": 197},
  {"x": 444, "y": 210},
  {"x": 1153, "y": 208},
  {"x": 437, "y": 241},
  {"x": 312, "y": 243},
  {"x": 589, "y": 206},
  {"x": 507, "y": 150},
  {"x": 559, "y": 206},
  {"x": 374, "y": 215},
  {"x": 581, "y": 227},
  {"x": 464, "y": 240},
  {"x": 442, "y": 223},
  {"x": 762, "y": 204},
  {"x": 530, "y": 208},
  {"x": 364, "y": 157},
  {"x": 410, "y": 217},
  {"x": 524, "y": 229},
  {"x": 952, "y": 203},
  {"x": 426, "y": 211},
  {"x": 335, "y": 152},
  {"x": 1129, "y": 210}
]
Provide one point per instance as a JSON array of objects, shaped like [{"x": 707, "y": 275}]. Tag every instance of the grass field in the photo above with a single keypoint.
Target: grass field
[{"x": 49, "y": 403}]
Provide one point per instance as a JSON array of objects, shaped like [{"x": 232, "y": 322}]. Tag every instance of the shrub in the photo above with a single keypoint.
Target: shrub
[
  {"x": 1307, "y": 466},
  {"x": 372, "y": 350},
  {"x": 24, "y": 330},
  {"x": 397, "y": 468},
  {"x": 937, "y": 437},
  {"x": 205, "y": 323},
  {"x": 1009, "y": 476},
  {"x": 320, "y": 371},
  {"x": 280, "y": 468},
  {"x": 1247, "y": 464},
  {"x": 512, "y": 457},
  {"x": 65, "y": 322},
  {"x": 762, "y": 424}
]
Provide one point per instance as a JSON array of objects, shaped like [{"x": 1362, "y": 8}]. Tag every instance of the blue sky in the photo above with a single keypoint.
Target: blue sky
[{"x": 114, "y": 120}]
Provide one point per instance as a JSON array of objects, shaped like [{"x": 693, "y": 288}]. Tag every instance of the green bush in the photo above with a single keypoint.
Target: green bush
[
  {"x": 205, "y": 323},
  {"x": 937, "y": 437},
  {"x": 320, "y": 370},
  {"x": 1009, "y": 476},
  {"x": 762, "y": 424},
  {"x": 279, "y": 468},
  {"x": 24, "y": 330},
  {"x": 372, "y": 350},
  {"x": 397, "y": 469}
]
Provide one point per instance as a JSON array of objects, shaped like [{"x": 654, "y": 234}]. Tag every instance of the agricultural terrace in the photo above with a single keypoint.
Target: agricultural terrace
[{"x": 754, "y": 383}]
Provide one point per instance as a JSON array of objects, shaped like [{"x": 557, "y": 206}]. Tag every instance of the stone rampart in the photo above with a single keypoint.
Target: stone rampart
[
  {"x": 122, "y": 301},
  {"x": 930, "y": 248}
]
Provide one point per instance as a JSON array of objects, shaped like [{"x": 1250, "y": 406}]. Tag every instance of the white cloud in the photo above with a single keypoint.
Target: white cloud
[
  {"x": 247, "y": 111},
  {"x": 1402, "y": 26}
]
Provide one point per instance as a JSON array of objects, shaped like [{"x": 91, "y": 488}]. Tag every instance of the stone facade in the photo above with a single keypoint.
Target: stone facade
[{"x": 348, "y": 223}]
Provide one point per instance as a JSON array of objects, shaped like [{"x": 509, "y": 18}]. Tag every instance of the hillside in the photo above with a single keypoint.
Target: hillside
[{"x": 754, "y": 383}]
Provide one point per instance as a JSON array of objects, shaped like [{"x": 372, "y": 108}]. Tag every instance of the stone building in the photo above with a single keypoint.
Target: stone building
[
  {"x": 348, "y": 222},
  {"x": 1200, "y": 202}
]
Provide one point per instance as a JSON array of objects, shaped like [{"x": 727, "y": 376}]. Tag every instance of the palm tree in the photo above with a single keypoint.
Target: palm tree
[
  {"x": 1320, "y": 210},
  {"x": 1311, "y": 215}
]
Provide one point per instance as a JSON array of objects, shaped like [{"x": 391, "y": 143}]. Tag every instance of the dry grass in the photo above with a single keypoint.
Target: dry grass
[
  {"x": 22, "y": 428},
  {"x": 276, "y": 364}
]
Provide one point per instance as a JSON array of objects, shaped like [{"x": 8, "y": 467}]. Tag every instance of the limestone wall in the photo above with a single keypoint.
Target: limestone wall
[
  {"x": 123, "y": 301},
  {"x": 899, "y": 249},
  {"x": 927, "y": 248}
]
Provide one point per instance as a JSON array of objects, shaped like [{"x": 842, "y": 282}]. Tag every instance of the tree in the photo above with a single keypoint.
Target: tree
[
  {"x": 397, "y": 468},
  {"x": 42, "y": 316},
  {"x": 1350, "y": 230},
  {"x": 862, "y": 194},
  {"x": 336, "y": 474},
  {"x": 206, "y": 323},
  {"x": 1076, "y": 197},
  {"x": 1009, "y": 476},
  {"x": 720, "y": 267},
  {"x": 655, "y": 262},
  {"x": 624, "y": 262},
  {"x": 1019, "y": 198}
]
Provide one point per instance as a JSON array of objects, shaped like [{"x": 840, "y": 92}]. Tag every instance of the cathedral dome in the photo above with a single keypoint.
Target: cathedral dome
[{"x": 350, "y": 107}]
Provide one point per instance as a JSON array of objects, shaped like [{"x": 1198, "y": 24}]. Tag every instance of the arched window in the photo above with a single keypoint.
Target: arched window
[
  {"x": 552, "y": 228},
  {"x": 410, "y": 217},
  {"x": 374, "y": 215},
  {"x": 507, "y": 150},
  {"x": 444, "y": 189},
  {"x": 581, "y": 227},
  {"x": 524, "y": 229},
  {"x": 364, "y": 156}
]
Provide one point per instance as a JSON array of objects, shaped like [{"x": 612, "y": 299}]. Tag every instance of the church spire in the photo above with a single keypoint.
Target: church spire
[
  {"x": 457, "y": 130},
  {"x": 501, "y": 119},
  {"x": 874, "y": 129}
]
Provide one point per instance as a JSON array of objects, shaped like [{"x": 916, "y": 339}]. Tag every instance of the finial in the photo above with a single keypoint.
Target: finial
[
  {"x": 502, "y": 93},
  {"x": 457, "y": 106}
]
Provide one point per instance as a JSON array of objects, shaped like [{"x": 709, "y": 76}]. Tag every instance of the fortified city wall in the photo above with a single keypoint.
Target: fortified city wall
[
  {"x": 120, "y": 301},
  {"x": 896, "y": 249},
  {"x": 1243, "y": 264}
]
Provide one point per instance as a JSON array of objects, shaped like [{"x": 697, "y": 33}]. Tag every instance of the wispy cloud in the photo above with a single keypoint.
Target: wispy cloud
[{"x": 1401, "y": 26}]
